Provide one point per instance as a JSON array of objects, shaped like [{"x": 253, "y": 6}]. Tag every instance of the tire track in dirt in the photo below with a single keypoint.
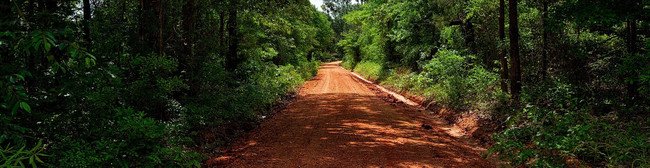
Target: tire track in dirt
[{"x": 338, "y": 121}]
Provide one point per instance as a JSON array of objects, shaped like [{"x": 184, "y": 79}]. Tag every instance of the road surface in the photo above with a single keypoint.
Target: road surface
[{"x": 338, "y": 120}]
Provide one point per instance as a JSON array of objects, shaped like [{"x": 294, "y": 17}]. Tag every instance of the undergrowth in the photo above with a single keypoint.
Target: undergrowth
[
  {"x": 447, "y": 80},
  {"x": 548, "y": 127}
]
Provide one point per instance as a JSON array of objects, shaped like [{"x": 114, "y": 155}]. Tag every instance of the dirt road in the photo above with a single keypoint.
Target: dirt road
[{"x": 339, "y": 121}]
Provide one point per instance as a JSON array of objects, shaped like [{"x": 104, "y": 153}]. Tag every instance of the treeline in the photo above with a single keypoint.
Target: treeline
[
  {"x": 567, "y": 79},
  {"x": 97, "y": 83}
]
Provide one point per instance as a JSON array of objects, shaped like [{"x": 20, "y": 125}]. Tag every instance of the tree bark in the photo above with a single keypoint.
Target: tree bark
[
  {"x": 357, "y": 54},
  {"x": 151, "y": 17},
  {"x": 188, "y": 29},
  {"x": 159, "y": 10},
  {"x": 87, "y": 23},
  {"x": 390, "y": 47},
  {"x": 232, "y": 59},
  {"x": 190, "y": 62},
  {"x": 502, "y": 50},
  {"x": 142, "y": 32},
  {"x": 632, "y": 49},
  {"x": 221, "y": 29},
  {"x": 515, "y": 71},
  {"x": 632, "y": 36},
  {"x": 470, "y": 37},
  {"x": 545, "y": 52}
]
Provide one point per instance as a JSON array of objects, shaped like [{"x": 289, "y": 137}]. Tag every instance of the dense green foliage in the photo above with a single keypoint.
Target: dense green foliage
[
  {"x": 132, "y": 83},
  {"x": 129, "y": 83},
  {"x": 584, "y": 69}
]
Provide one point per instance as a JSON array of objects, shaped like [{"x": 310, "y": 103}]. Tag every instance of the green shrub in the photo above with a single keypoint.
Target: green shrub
[
  {"x": 447, "y": 79},
  {"x": 550, "y": 138},
  {"x": 348, "y": 62},
  {"x": 370, "y": 70},
  {"x": 13, "y": 156},
  {"x": 131, "y": 140},
  {"x": 403, "y": 80},
  {"x": 557, "y": 124},
  {"x": 636, "y": 71}
]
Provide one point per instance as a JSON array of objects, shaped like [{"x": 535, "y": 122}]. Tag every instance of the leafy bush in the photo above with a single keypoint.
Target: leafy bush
[
  {"x": 448, "y": 79},
  {"x": 266, "y": 85},
  {"x": 21, "y": 157},
  {"x": 636, "y": 71},
  {"x": 370, "y": 70},
  {"x": 557, "y": 125},
  {"x": 348, "y": 62},
  {"x": 551, "y": 138},
  {"x": 131, "y": 140}
]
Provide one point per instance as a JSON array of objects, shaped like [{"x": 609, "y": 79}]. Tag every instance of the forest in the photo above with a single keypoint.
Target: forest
[{"x": 170, "y": 83}]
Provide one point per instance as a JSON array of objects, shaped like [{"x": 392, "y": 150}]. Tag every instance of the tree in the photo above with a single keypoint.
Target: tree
[
  {"x": 232, "y": 58},
  {"x": 336, "y": 9},
  {"x": 190, "y": 62},
  {"x": 151, "y": 25},
  {"x": 515, "y": 71},
  {"x": 86, "y": 21},
  {"x": 502, "y": 49},
  {"x": 545, "y": 33}
]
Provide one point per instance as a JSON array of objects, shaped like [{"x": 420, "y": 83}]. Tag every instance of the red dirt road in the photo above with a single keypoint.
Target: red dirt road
[{"x": 339, "y": 121}]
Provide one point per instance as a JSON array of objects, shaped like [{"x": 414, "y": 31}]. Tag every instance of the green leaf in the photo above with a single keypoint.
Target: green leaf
[
  {"x": 62, "y": 46},
  {"x": 36, "y": 44},
  {"x": 25, "y": 107},
  {"x": 74, "y": 53},
  {"x": 20, "y": 77},
  {"x": 49, "y": 35},
  {"x": 31, "y": 161},
  {"x": 47, "y": 46},
  {"x": 88, "y": 62},
  {"x": 38, "y": 159},
  {"x": 14, "y": 109},
  {"x": 37, "y": 146}
]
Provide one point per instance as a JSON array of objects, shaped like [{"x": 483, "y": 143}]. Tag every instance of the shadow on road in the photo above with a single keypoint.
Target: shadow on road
[{"x": 348, "y": 130}]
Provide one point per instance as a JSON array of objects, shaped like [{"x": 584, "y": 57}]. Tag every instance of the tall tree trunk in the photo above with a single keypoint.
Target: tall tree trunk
[
  {"x": 515, "y": 71},
  {"x": 357, "y": 54},
  {"x": 221, "y": 29},
  {"x": 470, "y": 37},
  {"x": 188, "y": 30},
  {"x": 390, "y": 47},
  {"x": 31, "y": 10},
  {"x": 502, "y": 49},
  {"x": 151, "y": 17},
  {"x": 87, "y": 23},
  {"x": 632, "y": 49},
  {"x": 142, "y": 31},
  {"x": 159, "y": 10},
  {"x": 190, "y": 63},
  {"x": 50, "y": 7},
  {"x": 122, "y": 18},
  {"x": 632, "y": 36},
  {"x": 232, "y": 59},
  {"x": 5, "y": 18},
  {"x": 545, "y": 52}
]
